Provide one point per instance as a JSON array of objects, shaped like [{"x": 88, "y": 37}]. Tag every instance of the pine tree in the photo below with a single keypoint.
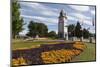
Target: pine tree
[
  {"x": 17, "y": 21},
  {"x": 78, "y": 31}
]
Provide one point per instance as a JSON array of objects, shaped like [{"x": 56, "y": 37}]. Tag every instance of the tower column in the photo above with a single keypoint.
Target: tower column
[{"x": 62, "y": 29}]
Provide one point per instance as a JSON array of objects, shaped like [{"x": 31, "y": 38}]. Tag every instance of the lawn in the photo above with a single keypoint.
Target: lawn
[
  {"x": 88, "y": 54},
  {"x": 17, "y": 44}
]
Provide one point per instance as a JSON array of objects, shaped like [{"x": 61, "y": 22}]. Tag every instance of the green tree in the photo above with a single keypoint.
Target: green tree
[
  {"x": 71, "y": 30},
  {"x": 52, "y": 34},
  {"x": 36, "y": 28},
  {"x": 42, "y": 29},
  {"x": 78, "y": 31},
  {"x": 17, "y": 21},
  {"x": 86, "y": 33}
]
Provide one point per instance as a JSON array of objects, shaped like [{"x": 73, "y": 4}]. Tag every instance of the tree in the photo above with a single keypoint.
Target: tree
[
  {"x": 78, "y": 31},
  {"x": 36, "y": 28},
  {"x": 52, "y": 34},
  {"x": 71, "y": 30},
  {"x": 86, "y": 33},
  {"x": 17, "y": 21}
]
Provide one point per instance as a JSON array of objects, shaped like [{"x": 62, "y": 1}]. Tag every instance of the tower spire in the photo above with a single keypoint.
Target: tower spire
[{"x": 62, "y": 14}]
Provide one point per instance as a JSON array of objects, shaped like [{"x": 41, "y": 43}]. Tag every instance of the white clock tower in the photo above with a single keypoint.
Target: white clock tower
[{"x": 62, "y": 27}]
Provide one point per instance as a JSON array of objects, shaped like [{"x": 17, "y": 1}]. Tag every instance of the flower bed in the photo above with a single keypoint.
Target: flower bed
[{"x": 55, "y": 53}]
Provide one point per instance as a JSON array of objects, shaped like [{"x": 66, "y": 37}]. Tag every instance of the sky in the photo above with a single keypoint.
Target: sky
[{"x": 48, "y": 14}]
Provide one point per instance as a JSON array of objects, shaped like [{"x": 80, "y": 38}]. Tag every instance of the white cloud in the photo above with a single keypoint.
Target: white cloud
[
  {"x": 46, "y": 20},
  {"x": 80, "y": 16},
  {"x": 23, "y": 32},
  {"x": 80, "y": 8},
  {"x": 72, "y": 18},
  {"x": 93, "y": 12},
  {"x": 41, "y": 9},
  {"x": 49, "y": 13},
  {"x": 89, "y": 22},
  {"x": 26, "y": 16}
]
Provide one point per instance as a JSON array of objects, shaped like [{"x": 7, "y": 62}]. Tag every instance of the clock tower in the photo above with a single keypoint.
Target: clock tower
[{"x": 62, "y": 29}]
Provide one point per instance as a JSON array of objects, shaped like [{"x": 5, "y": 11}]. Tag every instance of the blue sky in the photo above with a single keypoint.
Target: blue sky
[{"x": 48, "y": 13}]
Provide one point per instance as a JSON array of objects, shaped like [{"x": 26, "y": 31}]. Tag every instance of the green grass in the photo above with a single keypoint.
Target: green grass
[
  {"x": 16, "y": 44},
  {"x": 88, "y": 54}
]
